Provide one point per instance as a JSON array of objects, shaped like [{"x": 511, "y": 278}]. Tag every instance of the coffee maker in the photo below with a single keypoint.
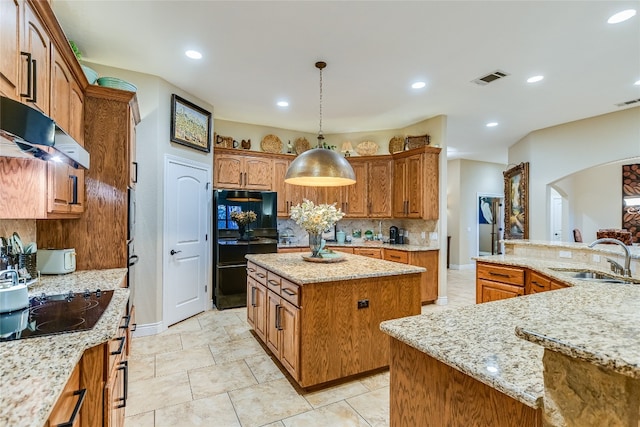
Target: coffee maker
[
  {"x": 393, "y": 235},
  {"x": 400, "y": 239}
]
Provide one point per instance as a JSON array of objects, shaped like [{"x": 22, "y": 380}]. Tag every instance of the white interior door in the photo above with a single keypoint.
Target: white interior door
[{"x": 186, "y": 246}]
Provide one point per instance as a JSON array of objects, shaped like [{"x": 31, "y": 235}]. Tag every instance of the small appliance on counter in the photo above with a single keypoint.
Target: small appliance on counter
[
  {"x": 56, "y": 261},
  {"x": 393, "y": 235},
  {"x": 401, "y": 235}
]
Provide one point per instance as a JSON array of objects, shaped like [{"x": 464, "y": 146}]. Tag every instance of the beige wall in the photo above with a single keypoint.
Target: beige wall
[{"x": 560, "y": 151}]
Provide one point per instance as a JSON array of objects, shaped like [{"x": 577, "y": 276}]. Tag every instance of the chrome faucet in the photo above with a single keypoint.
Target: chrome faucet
[{"x": 627, "y": 257}]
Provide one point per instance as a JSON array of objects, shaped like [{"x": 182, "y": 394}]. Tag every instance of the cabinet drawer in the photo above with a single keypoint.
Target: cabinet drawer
[
  {"x": 341, "y": 249},
  {"x": 499, "y": 273},
  {"x": 67, "y": 407},
  {"x": 273, "y": 282},
  {"x": 117, "y": 347},
  {"x": 371, "y": 253},
  {"x": 290, "y": 292},
  {"x": 537, "y": 283},
  {"x": 396, "y": 256},
  {"x": 256, "y": 272}
]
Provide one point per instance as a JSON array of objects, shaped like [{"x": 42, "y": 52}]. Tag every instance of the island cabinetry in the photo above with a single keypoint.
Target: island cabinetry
[
  {"x": 245, "y": 172},
  {"x": 321, "y": 332},
  {"x": 426, "y": 259},
  {"x": 416, "y": 183},
  {"x": 537, "y": 282},
  {"x": 496, "y": 282},
  {"x": 427, "y": 392},
  {"x": 256, "y": 300},
  {"x": 67, "y": 410}
]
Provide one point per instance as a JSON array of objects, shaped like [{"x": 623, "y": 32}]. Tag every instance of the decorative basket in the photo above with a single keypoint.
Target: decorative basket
[
  {"x": 271, "y": 144},
  {"x": 301, "y": 145},
  {"x": 418, "y": 141},
  {"x": 28, "y": 261}
]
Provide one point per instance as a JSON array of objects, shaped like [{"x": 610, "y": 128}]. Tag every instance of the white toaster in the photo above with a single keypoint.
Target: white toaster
[{"x": 56, "y": 261}]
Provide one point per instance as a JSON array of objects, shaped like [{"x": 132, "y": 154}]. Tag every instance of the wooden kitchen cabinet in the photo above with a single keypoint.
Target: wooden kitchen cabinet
[
  {"x": 11, "y": 24},
  {"x": 241, "y": 171},
  {"x": 256, "y": 306},
  {"x": 288, "y": 195},
  {"x": 72, "y": 397},
  {"x": 416, "y": 183},
  {"x": 496, "y": 282},
  {"x": 35, "y": 65},
  {"x": 379, "y": 183},
  {"x": 536, "y": 283},
  {"x": 555, "y": 285},
  {"x": 426, "y": 259},
  {"x": 369, "y": 252}
]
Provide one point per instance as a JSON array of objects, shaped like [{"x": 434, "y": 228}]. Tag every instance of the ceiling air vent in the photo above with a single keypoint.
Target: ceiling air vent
[
  {"x": 491, "y": 77},
  {"x": 624, "y": 104}
]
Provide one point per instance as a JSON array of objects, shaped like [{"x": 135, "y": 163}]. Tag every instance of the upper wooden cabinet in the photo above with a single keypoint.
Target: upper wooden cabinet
[
  {"x": 416, "y": 183},
  {"x": 11, "y": 24},
  {"x": 379, "y": 184},
  {"x": 242, "y": 171},
  {"x": 35, "y": 71}
]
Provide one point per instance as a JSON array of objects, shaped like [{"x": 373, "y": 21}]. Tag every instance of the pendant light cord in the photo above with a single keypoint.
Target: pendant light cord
[{"x": 320, "y": 65}]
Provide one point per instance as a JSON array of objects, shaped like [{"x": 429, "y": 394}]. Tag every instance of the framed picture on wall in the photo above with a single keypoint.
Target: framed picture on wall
[
  {"x": 516, "y": 202},
  {"x": 190, "y": 124}
]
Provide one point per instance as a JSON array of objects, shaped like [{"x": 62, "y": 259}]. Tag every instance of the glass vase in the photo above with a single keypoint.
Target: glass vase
[
  {"x": 315, "y": 243},
  {"x": 241, "y": 230}
]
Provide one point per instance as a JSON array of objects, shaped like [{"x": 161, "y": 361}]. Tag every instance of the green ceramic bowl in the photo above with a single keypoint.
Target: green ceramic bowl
[
  {"x": 91, "y": 74},
  {"x": 116, "y": 83}
]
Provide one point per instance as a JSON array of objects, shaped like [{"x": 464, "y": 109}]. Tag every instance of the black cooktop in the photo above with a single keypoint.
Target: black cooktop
[{"x": 55, "y": 314}]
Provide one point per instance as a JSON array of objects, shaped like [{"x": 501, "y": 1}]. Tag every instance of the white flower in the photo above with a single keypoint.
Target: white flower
[{"x": 315, "y": 218}]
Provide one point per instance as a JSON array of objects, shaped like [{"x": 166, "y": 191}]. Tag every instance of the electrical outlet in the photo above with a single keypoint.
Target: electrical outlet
[
  {"x": 564, "y": 254},
  {"x": 433, "y": 235},
  {"x": 423, "y": 234},
  {"x": 363, "y": 303},
  {"x": 595, "y": 258}
]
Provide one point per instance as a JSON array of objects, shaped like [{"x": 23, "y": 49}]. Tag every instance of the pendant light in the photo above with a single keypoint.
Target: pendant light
[{"x": 320, "y": 167}]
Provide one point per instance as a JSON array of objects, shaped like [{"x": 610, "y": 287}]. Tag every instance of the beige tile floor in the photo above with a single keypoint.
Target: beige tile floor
[{"x": 210, "y": 371}]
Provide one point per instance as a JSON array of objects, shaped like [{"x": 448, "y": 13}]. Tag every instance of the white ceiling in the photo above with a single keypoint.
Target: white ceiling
[{"x": 259, "y": 52}]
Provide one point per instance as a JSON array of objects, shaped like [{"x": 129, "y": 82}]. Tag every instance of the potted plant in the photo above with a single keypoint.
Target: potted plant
[{"x": 90, "y": 73}]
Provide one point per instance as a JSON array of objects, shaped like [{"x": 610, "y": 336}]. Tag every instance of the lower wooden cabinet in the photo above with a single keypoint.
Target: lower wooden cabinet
[
  {"x": 256, "y": 306},
  {"x": 426, "y": 259},
  {"x": 283, "y": 331},
  {"x": 370, "y": 252},
  {"x": 67, "y": 410},
  {"x": 496, "y": 282}
]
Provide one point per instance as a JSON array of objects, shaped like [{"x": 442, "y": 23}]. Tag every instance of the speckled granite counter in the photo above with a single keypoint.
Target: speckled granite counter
[
  {"x": 406, "y": 248},
  {"x": 593, "y": 322},
  {"x": 292, "y": 267},
  {"x": 34, "y": 371}
]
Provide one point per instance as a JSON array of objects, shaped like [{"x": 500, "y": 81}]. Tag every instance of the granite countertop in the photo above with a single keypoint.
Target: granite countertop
[
  {"x": 612, "y": 249},
  {"x": 291, "y": 266},
  {"x": 594, "y": 322},
  {"x": 375, "y": 244},
  {"x": 35, "y": 370}
]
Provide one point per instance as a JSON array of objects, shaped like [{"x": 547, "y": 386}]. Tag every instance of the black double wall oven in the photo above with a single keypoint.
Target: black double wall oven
[{"x": 230, "y": 247}]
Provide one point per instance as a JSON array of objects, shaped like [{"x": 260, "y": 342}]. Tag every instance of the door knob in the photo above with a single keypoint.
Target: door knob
[{"x": 173, "y": 252}]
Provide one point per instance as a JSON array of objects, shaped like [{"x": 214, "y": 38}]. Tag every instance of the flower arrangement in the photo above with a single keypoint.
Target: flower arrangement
[
  {"x": 315, "y": 218},
  {"x": 243, "y": 218}
]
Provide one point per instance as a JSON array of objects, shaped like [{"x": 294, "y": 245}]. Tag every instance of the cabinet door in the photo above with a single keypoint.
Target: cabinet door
[
  {"x": 10, "y": 30},
  {"x": 257, "y": 174},
  {"x": 133, "y": 161},
  {"x": 371, "y": 253},
  {"x": 227, "y": 171},
  {"x": 493, "y": 291},
  {"x": 290, "y": 340},
  {"x": 251, "y": 302},
  {"x": 76, "y": 112},
  {"x": 115, "y": 396},
  {"x": 65, "y": 405},
  {"x": 59, "y": 187},
  {"x": 355, "y": 195},
  {"x": 399, "y": 173},
  {"x": 379, "y": 179},
  {"x": 278, "y": 185},
  {"x": 537, "y": 283},
  {"x": 413, "y": 186},
  {"x": 36, "y": 42},
  {"x": 554, "y": 285},
  {"x": 273, "y": 323},
  {"x": 77, "y": 191},
  {"x": 61, "y": 79},
  {"x": 261, "y": 311}
]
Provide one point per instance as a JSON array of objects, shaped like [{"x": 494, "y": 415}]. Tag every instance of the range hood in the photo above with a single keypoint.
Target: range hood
[{"x": 26, "y": 132}]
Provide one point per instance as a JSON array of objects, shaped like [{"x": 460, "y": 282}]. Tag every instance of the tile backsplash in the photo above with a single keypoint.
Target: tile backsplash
[{"x": 414, "y": 227}]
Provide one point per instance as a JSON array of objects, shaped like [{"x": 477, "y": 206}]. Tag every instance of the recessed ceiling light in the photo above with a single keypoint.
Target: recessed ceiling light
[
  {"x": 492, "y": 124},
  {"x": 622, "y": 16},
  {"x": 637, "y": 83},
  {"x": 193, "y": 54},
  {"x": 534, "y": 79},
  {"x": 418, "y": 85},
  {"x": 283, "y": 104}
]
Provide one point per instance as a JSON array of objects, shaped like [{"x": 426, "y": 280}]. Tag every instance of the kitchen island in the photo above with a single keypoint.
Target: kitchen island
[
  {"x": 492, "y": 363},
  {"x": 34, "y": 371},
  {"x": 321, "y": 321}
]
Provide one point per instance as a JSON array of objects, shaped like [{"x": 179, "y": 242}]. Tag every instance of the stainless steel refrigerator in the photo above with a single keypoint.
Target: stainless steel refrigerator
[{"x": 230, "y": 248}]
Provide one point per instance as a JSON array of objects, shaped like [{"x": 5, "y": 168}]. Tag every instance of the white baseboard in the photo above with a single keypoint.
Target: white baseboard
[
  {"x": 442, "y": 300},
  {"x": 148, "y": 329},
  {"x": 462, "y": 266}
]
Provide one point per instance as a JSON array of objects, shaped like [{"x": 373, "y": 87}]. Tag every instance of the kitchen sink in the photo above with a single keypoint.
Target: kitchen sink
[{"x": 592, "y": 276}]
